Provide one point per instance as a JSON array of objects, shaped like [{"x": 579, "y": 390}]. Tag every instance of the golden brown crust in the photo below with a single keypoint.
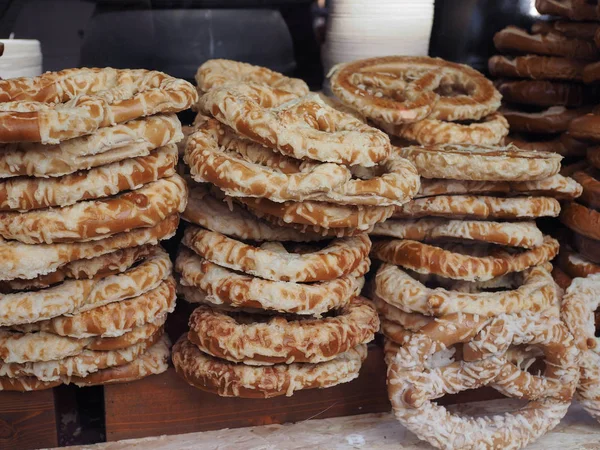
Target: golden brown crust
[
  {"x": 113, "y": 319},
  {"x": 97, "y": 267},
  {"x": 320, "y": 214},
  {"x": 280, "y": 340},
  {"x": 591, "y": 187},
  {"x": 62, "y": 105},
  {"x": 581, "y": 219},
  {"x": 546, "y": 93},
  {"x": 537, "y": 67},
  {"x": 75, "y": 296},
  {"x": 17, "y": 347},
  {"x": 485, "y": 163},
  {"x": 513, "y": 39},
  {"x": 108, "y": 145},
  {"x": 29, "y": 261},
  {"x": 231, "y": 219},
  {"x": 216, "y": 73},
  {"x": 79, "y": 365},
  {"x": 575, "y": 265},
  {"x": 97, "y": 219},
  {"x": 25, "y": 194},
  {"x": 224, "y": 286},
  {"x": 532, "y": 290},
  {"x": 561, "y": 278},
  {"x": 578, "y": 30},
  {"x": 373, "y": 86},
  {"x": 273, "y": 262},
  {"x": 512, "y": 234},
  {"x": 304, "y": 127},
  {"x": 238, "y": 380},
  {"x": 490, "y": 130},
  {"x": 153, "y": 361},
  {"x": 593, "y": 156},
  {"x": 470, "y": 263},
  {"x": 555, "y": 119},
  {"x": 586, "y": 128},
  {"x": 479, "y": 207}
]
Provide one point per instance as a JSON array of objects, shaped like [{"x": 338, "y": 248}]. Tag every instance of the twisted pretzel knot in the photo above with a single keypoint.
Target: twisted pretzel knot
[{"x": 416, "y": 376}]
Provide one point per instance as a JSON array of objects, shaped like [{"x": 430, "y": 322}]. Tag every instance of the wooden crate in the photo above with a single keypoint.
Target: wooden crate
[
  {"x": 165, "y": 404},
  {"x": 27, "y": 420}
]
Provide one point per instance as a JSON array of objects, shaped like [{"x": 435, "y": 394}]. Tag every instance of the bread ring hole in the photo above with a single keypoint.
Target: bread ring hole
[
  {"x": 528, "y": 358},
  {"x": 450, "y": 87},
  {"x": 499, "y": 284}
]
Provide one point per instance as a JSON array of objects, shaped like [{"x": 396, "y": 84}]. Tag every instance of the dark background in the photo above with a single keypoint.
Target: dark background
[{"x": 176, "y": 36}]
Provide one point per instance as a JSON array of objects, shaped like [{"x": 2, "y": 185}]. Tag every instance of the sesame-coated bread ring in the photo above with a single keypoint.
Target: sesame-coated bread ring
[
  {"x": 243, "y": 169},
  {"x": 581, "y": 219},
  {"x": 75, "y": 296},
  {"x": 320, "y": 214},
  {"x": 228, "y": 379},
  {"x": 484, "y": 163},
  {"x": 95, "y": 219},
  {"x": 537, "y": 67},
  {"x": 555, "y": 119},
  {"x": 304, "y": 128},
  {"x": 27, "y": 261},
  {"x": 272, "y": 261},
  {"x": 114, "y": 319},
  {"x": 512, "y": 234},
  {"x": 265, "y": 340},
  {"x": 79, "y": 365},
  {"x": 516, "y": 40},
  {"x": 460, "y": 262},
  {"x": 227, "y": 287},
  {"x": 16, "y": 347},
  {"x": 216, "y": 73},
  {"x": 57, "y": 106},
  {"x": 479, "y": 207},
  {"x": 231, "y": 219},
  {"x": 533, "y": 289},
  {"x": 213, "y": 155},
  {"x": 556, "y": 186},
  {"x": 490, "y": 130},
  {"x": 24, "y": 194},
  {"x": 97, "y": 267},
  {"x": 578, "y": 312},
  {"x": 404, "y": 89},
  {"x": 108, "y": 145}
]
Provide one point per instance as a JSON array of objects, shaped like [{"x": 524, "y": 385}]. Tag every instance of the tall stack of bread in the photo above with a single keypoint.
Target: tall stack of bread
[
  {"x": 283, "y": 188},
  {"x": 87, "y": 191},
  {"x": 464, "y": 288},
  {"x": 548, "y": 77}
]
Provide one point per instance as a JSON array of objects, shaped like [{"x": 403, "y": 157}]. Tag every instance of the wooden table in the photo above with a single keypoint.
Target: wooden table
[{"x": 368, "y": 431}]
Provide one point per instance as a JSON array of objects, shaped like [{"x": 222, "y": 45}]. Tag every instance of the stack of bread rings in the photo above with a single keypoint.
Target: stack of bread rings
[
  {"x": 464, "y": 286},
  {"x": 87, "y": 191},
  {"x": 548, "y": 76},
  {"x": 283, "y": 188},
  {"x": 467, "y": 299},
  {"x": 422, "y": 100}
]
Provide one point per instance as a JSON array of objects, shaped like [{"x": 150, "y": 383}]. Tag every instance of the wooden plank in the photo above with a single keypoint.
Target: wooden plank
[
  {"x": 369, "y": 431},
  {"x": 27, "y": 420},
  {"x": 165, "y": 404}
]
